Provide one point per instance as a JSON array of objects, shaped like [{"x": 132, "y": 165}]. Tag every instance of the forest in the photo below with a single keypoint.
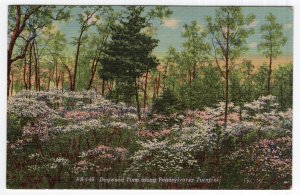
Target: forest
[{"x": 98, "y": 99}]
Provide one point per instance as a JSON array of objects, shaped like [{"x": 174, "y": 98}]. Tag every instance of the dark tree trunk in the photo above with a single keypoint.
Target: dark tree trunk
[
  {"x": 24, "y": 73},
  {"x": 30, "y": 67},
  {"x": 269, "y": 74},
  {"x": 94, "y": 68},
  {"x": 8, "y": 78},
  {"x": 62, "y": 81},
  {"x": 57, "y": 77},
  {"x": 18, "y": 29},
  {"x": 145, "y": 91},
  {"x": 137, "y": 100},
  {"x": 76, "y": 60},
  {"x": 158, "y": 85},
  {"x": 83, "y": 28},
  {"x": 154, "y": 89},
  {"x": 12, "y": 85},
  {"x": 103, "y": 87},
  {"x": 37, "y": 76},
  {"x": 49, "y": 79},
  {"x": 226, "y": 74}
]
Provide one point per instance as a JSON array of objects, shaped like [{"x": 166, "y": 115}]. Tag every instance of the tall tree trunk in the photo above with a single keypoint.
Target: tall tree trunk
[
  {"x": 137, "y": 100},
  {"x": 96, "y": 61},
  {"x": 154, "y": 89},
  {"x": 84, "y": 27},
  {"x": 62, "y": 81},
  {"x": 15, "y": 34},
  {"x": 12, "y": 85},
  {"x": 158, "y": 85},
  {"x": 8, "y": 77},
  {"x": 30, "y": 67},
  {"x": 103, "y": 87},
  {"x": 24, "y": 73},
  {"x": 190, "y": 87},
  {"x": 70, "y": 76},
  {"x": 226, "y": 74},
  {"x": 49, "y": 79},
  {"x": 226, "y": 93},
  {"x": 269, "y": 74},
  {"x": 94, "y": 68},
  {"x": 36, "y": 67},
  {"x": 76, "y": 60},
  {"x": 145, "y": 91},
  {"x": 57, "y": 76}
]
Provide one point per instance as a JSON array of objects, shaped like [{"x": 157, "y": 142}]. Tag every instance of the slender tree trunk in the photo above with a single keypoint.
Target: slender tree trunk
[
  {"x": 70, "y": 76},
  {"x": 226, "y": 93},
  {"x": 269, "y": 74},
  {"x": 24, "y": 73},
  {"x": 18, "y": 29},
  {"x": 94, "y": 68},
  {"x": 137, "y": 100},
  {"x": 49, "y": 79},
  {"x": 154, "y": 89},
  {"x": 12, "y": 85},
  {"x": 103, "y": 87},
  {"x": 190, "y": 87},
  {"x": 145, "y": 91},
  {"x": 30, "y": 67},
  {"x": 158, "y": 85},
  {"x": 15, "y": 34},
  {"x": 95, "y": 64},
  {"x": 8, "y": 77},
  {"x": 62, "y": 81},
  {"x": 36, "y": 68},
  {"x": 226, "y": 75},
  {"x": 57, "y": 76},
  {"x": 76, "y": 60}
]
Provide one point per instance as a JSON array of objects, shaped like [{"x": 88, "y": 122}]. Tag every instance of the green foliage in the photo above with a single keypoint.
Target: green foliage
[
  {"x": 166, "y": 104},
  {"x": 260, "y": 80},
  {"x": 128, "y": 55},
  {"x": 273, "y": 38},
  {"x": 283, "y": 85},
  {"x": 123, "y": 92},
  {"x": 232, "y": 20},
  {"x": 207, "y": 89},
  {"x": 14, "y": 127}
]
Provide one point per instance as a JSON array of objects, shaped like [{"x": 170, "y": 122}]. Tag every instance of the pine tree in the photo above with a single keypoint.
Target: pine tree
[
  {"x": 128, "y": 55},
  {"x": 273, "y": 40}
]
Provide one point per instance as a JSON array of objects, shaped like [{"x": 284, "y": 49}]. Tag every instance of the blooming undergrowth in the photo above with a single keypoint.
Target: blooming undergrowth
[{"x": 54, "y": 138}]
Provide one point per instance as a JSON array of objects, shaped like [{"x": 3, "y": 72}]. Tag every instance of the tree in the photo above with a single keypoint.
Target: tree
[
  {"x": 195, "y": 46},
  {"x": 53, "y": 44},
  {"x": 229, "y": 31},
  {"x": 99, "y": 43},
  {"x": 129, "y": 54},
  {"x": 86, "y": 20},
  {"x": 272, "y": 42},
  {"x": 166, "y": 104},
  {"x": 283, "y": 85},
  {"x": 195, "y": 52},
  {"x": 19, "y": 23}
]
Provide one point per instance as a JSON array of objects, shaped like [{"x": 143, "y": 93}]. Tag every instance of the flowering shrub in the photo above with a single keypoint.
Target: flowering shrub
[
  {"x": 99, "y": 159},
  {"x": 55, "y": 137},
  {"x": 161, "y": 158},
  {"x": 265, "y": 163}
]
